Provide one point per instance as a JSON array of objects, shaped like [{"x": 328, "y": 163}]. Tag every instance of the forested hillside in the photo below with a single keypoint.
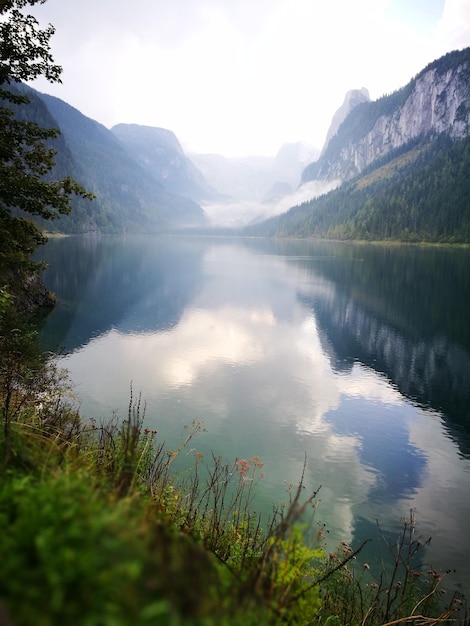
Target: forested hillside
[
  {"x": 403, "y": 161},
  {"x": 420, "y": 192},
  {"x": 160, "y": 153},
  {"x": 128, "y": 198}
]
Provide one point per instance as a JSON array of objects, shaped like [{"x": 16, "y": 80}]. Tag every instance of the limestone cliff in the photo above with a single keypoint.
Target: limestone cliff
[
  {"x": 351, "y": 100},
  {"x": 436, "y": 101}
]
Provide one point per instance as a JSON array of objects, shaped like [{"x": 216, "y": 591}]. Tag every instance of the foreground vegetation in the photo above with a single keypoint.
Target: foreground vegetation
[{"x": 96, "y": 527}]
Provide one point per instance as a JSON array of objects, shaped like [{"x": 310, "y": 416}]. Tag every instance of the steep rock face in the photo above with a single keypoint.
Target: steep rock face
[
  {"x": 32, "y": 295},
  {"x": 436, "y": 101},
  {"x": 351, "y": 100}
]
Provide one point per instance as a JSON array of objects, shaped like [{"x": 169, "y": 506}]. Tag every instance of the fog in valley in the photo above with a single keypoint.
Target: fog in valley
[{"x": 236, "y": 214}]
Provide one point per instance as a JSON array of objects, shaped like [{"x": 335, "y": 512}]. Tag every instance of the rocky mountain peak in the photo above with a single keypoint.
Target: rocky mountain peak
[
  {"x": 351, "y": 100},
  {"x": 435, "y": 101}
]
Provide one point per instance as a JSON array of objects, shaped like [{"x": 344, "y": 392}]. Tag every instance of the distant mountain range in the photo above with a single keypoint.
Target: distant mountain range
[
  {"x": 129, "y": 198},
  {"x": 143, "y": 180},
  {"x": 400, "y": 167},
  {"x": 401, "y": 164},
  {"x": 256, "y": 178}
]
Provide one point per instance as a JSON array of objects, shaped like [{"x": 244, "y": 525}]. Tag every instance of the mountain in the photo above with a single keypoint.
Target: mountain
[
  {"x": 160, "y": 153},
  {"x": 351, "y": 100},
  {"x": 290, "y": 161},
  {"x": 144, "y": 182},
  {"x": 436, "y": 101},
  {"x": 128, "y": 197},
  {"x": 404, "y": 160},
  {"x": 252, "y": 178},
  {"x": 256, "y": 187},
  {"x": 236, "y": 178}
]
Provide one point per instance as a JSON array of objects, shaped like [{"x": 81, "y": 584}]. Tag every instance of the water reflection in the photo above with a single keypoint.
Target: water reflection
[
  {"x": 350, "y": 355},
  {"x": 403, "y": 312},
  {"x": 133, "y": 284}
]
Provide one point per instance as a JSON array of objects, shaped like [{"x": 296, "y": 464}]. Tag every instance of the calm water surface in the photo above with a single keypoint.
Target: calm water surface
[{"x": 355, "y": 356}]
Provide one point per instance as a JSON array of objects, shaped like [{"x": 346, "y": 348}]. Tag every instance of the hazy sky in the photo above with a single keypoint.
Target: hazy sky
[{"x": 241, "y": 77}]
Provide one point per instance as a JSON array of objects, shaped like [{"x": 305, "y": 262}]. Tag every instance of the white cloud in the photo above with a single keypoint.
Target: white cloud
[
  {"x": 454, "y": 25},
  {"x": 240, "y": 214},
  {"x": 240, "y": 78},
  {"x": 363, "y": 383}
]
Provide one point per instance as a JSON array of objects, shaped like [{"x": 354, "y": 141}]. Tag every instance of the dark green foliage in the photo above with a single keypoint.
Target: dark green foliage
[
  {"x": 420, "y": 193},
  {"x": 24, "y": 48},
  {"x": 26, "y": 186},
  {"x": 448, "y": 62},
  {"x": 26, "y": 158}
]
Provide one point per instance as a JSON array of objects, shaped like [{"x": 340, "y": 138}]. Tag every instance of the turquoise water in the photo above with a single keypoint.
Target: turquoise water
[{"x": 353, "y": 357}]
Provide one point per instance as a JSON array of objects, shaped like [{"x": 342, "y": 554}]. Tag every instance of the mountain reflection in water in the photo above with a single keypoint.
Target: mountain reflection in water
[{"x": 357, "y": 356}]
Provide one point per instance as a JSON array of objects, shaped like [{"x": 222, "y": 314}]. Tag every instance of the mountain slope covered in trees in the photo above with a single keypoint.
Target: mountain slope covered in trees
[
  {"x": 418, "y": 193},
  {"x": 160, "y": 153},
  {"x": 128, "y": 197},
  {"x": 405, "y": 163}
]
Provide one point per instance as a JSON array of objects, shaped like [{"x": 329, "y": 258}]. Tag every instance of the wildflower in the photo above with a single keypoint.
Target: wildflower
[
  {"x": 242, "y": 467},
  {"x": 366, "y": 566}
]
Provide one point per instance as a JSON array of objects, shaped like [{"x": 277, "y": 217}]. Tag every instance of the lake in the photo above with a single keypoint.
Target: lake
[{"x": 355, "y": 357}]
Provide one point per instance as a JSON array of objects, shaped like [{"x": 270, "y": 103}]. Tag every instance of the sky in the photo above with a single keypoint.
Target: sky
[{"x": 241, "y": 77}]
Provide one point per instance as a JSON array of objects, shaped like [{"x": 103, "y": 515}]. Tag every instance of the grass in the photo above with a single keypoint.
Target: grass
[{"x": 97, "y": 529}]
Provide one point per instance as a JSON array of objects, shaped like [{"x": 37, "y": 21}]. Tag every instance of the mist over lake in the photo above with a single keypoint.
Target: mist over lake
[{"x": 354, "y": 357}]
